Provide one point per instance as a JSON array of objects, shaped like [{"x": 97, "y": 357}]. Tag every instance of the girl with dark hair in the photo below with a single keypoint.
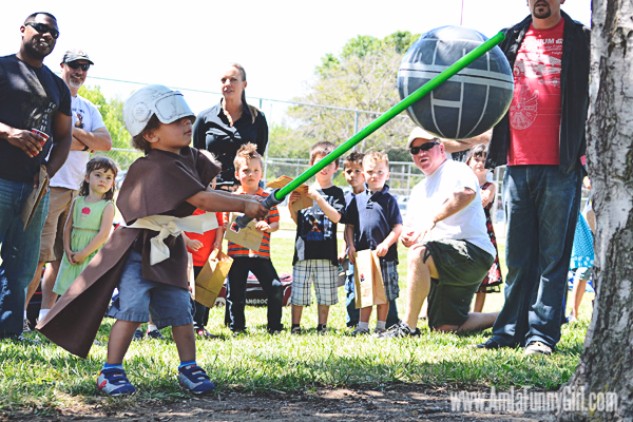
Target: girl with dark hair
[{"x": 89, "y": 222}]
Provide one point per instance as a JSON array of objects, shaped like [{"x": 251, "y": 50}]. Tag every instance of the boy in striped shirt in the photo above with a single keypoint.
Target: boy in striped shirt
[{"x": 248, "y": 171}]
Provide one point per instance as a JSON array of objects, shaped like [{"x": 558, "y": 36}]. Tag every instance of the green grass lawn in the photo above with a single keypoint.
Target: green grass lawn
[{"x": 46, "y": 377}]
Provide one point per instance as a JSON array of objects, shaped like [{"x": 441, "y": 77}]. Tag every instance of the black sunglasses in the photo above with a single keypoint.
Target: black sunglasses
[
  {"x": 77, "y": 65},
  {"x": 42, "y": 28},
  {"x": 424, "y": 147}
]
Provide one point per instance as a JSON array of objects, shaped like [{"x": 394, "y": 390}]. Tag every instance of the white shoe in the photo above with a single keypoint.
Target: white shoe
[{"x": 537, "y": 348}]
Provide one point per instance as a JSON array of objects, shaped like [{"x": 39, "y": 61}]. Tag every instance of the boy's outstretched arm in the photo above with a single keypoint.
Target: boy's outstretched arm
[{"x": 215, "y": 201}]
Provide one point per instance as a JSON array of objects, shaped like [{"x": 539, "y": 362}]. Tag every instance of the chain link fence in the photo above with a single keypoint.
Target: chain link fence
[{"x": 404, "y": 175}]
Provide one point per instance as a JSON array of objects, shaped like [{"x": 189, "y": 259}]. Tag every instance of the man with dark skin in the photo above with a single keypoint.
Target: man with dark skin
[
  {"x": 32, "y": 99},
  {"x": 89, "y": 135}
]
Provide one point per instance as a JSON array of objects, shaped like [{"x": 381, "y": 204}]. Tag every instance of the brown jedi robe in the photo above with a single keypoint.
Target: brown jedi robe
[{"x": 158, "y": 183}]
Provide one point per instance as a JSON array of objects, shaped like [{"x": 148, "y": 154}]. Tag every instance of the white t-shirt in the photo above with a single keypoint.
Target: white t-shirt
[
  {"x": 72, "y": 172},
  {"x": 428, "y": 196}
]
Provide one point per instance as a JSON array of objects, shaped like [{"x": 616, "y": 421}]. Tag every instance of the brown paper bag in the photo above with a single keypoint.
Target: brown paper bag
[
  {"x": 248, "y": 237},
  {"x": 211, "y": 278},
  {"x": 304, "y": 200},
  {"x": 370, "y": 288}
]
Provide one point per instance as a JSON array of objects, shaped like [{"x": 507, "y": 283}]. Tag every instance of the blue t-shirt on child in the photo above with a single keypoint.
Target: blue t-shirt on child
[{"x": 373, "y": 216}]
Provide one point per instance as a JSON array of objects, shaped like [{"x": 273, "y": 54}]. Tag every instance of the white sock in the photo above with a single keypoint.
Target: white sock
[
  {"x": 25, "y": 316},
  {"x": 381, "y": 325},
  {"x": 363, "y": 325},
  {"x": 151, "y": 327},
  {"x": 43, "y": 313}
]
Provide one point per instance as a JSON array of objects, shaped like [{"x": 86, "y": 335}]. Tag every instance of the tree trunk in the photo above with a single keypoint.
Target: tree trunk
[{"x": 607, "y": 361}]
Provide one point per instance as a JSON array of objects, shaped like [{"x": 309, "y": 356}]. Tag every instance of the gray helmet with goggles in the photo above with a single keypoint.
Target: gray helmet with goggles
[{"x": 168, "y": 106}]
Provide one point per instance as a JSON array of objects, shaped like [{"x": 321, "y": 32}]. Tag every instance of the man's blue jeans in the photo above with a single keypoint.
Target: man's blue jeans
[
  {"x": 20, "y": 252},
  {"x": 541, "y": 206}
]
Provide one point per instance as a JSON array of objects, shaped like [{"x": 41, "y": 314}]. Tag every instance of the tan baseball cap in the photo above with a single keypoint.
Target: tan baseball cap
[{"x": 420, "y": 133}]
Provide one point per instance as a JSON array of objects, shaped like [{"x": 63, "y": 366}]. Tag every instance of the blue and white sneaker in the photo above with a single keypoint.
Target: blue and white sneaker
[
  {"x": 194, "y": 379},
  {"x": 113, "y": 382}
]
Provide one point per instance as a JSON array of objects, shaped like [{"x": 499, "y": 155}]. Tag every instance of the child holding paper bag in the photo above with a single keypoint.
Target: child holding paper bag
[
  {"x": 253, "y": 258},
  {"x": 315, "y": 259},
  {"x": 202, "y": 246},
  {"x": 374, "y": 222}
]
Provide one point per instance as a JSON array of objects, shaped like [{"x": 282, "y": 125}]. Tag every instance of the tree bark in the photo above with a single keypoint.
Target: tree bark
[{"x": 607, "y": 361}]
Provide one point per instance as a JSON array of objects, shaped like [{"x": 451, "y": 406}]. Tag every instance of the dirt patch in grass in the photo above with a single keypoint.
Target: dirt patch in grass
[{"x": 393, "y": 403}]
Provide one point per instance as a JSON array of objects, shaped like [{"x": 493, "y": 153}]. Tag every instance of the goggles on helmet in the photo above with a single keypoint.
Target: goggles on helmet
[{"x": 168, "y": 106}]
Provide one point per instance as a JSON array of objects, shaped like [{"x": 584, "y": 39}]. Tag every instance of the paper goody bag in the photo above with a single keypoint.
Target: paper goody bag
[
  {"x": 370, "y": 288},
  {"x": 249, "y": 236},
  {"x": 304, "y": 200},
  {"x": 211, "y": 278}
]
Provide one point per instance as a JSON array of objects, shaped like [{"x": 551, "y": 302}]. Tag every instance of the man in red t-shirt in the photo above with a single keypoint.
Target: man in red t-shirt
[{"x": 541, "y": 139}]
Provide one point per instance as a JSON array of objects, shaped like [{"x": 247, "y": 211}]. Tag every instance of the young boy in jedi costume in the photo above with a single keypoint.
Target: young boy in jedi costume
[{"x": 158, "y": 196}]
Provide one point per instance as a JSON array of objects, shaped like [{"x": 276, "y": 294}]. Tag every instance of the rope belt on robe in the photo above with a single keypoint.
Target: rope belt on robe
[{"x": 167, "y": 225}]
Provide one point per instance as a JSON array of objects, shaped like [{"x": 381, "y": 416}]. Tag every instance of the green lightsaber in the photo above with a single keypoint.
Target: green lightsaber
[{"x": 278, "y": 195}]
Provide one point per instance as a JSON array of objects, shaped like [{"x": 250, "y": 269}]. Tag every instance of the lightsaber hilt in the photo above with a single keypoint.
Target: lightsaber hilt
[{"x": 269, "y": 202}]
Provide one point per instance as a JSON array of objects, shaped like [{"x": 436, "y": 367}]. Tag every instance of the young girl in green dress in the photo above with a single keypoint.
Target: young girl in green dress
[{"x": 89, "y": 222}]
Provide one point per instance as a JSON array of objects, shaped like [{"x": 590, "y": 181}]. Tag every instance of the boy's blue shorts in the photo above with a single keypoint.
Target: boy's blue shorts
[{"x": 138, "y": 297}]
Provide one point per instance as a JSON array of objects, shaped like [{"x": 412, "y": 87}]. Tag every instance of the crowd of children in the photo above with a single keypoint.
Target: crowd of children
[{"x": 170, "y": 191}]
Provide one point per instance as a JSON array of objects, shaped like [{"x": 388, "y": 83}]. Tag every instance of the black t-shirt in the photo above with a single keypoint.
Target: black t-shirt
[
  {"x": 29, "y": 99},
  {"x": 212, "y": 131},
  {"x": 316, "y": 234}
]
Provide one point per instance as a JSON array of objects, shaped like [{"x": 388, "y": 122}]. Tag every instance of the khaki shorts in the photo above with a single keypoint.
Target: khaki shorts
[{"x": 51, "y": 242}]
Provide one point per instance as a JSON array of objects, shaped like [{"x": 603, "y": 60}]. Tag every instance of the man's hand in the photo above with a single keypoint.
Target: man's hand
[
  {"x": 409, "y": 236},
  {"x": 426, "y": 230},
  {"x": 27, "y": 141}
]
